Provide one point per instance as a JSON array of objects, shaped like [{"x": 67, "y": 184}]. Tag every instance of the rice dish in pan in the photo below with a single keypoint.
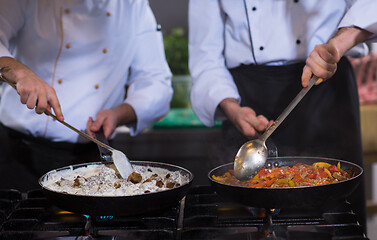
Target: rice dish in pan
[{"x": 104, "y": 180}]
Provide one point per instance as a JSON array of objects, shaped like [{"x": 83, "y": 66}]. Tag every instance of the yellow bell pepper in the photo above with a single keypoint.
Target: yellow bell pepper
[
  {"x": 280, "y": 181},
  {"x": 291, "y": 183},
  {"x": 321, "y": 164},
  {"x": 339, "y": 169},
  {"x": 286, "y": 181},
  {"x": 217, "y": 178},
  {"x": 226, "y": 175},
  {"x": 328, "y": 173}
]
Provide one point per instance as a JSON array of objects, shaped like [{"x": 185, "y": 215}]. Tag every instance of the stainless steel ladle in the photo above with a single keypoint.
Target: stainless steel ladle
[{"x": 252, "y": 155}]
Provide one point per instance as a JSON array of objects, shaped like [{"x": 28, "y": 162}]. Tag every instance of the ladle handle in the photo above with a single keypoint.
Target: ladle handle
[
  {"x": 288, "y": 109},
  {"x": 48, "y": 113}
]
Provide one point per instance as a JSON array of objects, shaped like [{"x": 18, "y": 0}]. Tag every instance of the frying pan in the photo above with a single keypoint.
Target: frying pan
[
  {"x": 289, "y": 197},
  {"x": 119, "y": 205}
]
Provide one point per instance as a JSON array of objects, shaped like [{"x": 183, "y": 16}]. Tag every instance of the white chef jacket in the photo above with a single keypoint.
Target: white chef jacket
[
  {"x": 88, "y": 51},
  {"x": 281, "y": 32}
]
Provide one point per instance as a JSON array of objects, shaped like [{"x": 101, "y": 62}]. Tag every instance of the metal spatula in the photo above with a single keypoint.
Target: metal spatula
[
  {"x": 107, "y": 155},
  {"x": 121, "y": 162}
]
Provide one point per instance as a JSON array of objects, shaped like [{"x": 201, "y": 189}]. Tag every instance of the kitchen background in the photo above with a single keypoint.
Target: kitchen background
[{"x": 182, "y": 140}]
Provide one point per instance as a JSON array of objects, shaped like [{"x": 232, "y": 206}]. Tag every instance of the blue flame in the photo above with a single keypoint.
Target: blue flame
[{"x": 101, "y": 218}]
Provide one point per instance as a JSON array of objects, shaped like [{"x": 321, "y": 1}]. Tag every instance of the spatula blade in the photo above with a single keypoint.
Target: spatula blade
[{"x": 122, "y": 163}]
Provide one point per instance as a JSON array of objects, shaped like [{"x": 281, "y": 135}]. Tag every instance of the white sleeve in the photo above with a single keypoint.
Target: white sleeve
[
  {"x": 362, "y": 14},
  {"x": 212, "y": 81},
  {"x": 11, "y": 20},
  {"x": 150, "y": 90}
]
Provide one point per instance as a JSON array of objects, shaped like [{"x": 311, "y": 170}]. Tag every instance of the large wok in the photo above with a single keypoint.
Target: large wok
[
  {"x": 290, "y": 197},
  {"x": 119, "y": 205}
]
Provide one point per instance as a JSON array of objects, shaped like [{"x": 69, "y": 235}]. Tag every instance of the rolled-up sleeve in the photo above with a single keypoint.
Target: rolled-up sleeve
[
  {"x": 212, "y": 81},
  {"x": 362, "y": 14},
  {"x": 150, "y": 90}
]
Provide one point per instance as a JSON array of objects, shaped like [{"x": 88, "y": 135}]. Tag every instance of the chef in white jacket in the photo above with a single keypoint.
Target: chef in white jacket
[
  {"x": 92, "y": 63},
  {"x": 247, "y": 57}
]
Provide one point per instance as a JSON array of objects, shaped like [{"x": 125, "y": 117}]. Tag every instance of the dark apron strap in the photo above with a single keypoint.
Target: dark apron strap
[{"x": 326, "y": 123}]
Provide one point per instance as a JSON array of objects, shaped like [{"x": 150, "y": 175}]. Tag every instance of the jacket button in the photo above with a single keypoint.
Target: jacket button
[
  {"x": 60, "y": 81},
  {"x": 108, "y": 14},
  {"x": 104, "y": 50},
  {"x": 68, "y": 46},
  {"x": 96, "y": 86},
  {"x": 67, "y": 11}
]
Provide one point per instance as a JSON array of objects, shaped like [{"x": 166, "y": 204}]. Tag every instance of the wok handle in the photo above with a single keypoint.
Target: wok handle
[{"x": 48, "y": 113}]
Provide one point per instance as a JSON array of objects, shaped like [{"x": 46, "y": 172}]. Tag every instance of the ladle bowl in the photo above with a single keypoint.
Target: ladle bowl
[{"x": 252, "y": 155}]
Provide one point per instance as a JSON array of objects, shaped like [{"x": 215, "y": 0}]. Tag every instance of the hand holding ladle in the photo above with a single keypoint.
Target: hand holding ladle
[{"x": 252, "y": 155}]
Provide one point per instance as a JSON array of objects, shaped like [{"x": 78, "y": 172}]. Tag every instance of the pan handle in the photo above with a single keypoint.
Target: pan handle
[{"x": 272, "y": 149}]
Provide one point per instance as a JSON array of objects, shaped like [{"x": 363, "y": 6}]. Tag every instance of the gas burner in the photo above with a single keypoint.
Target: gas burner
[
  {"x": 202, "y": 214},
  {"x": 227, "y": 220}
]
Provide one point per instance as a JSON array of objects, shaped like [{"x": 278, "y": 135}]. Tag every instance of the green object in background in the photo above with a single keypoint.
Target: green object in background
[
  {"x": 182, "y": 86},
  {"x": 181, "y": 114},
  {"x": 176, "y": 51},
  {"x": 181, "y": 118}
]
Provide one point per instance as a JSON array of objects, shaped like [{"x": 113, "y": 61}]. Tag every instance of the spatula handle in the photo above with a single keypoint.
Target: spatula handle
[
  {"x": 104, "y": 152},
  {"x": 48, "y": 113}
]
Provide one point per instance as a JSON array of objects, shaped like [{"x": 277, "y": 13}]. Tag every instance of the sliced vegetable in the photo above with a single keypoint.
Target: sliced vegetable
[
  {"x": 298, "y": 175},
  {"x": 321, "y": 164}
]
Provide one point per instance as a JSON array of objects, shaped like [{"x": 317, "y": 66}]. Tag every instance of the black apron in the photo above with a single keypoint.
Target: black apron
[
  {"x": 34, "y": 156},
  {"x": 326, "y": 123}
]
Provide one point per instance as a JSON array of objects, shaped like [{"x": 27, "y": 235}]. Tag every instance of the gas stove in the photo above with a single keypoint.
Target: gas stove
[{"x": 202, "y": 214}]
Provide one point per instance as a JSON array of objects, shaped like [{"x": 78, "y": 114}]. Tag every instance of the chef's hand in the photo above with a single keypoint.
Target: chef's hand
[
  {"x": 110, "y": 119},
  {"x": 244, "y": 118},
  {"x": 322, "y": 61},
  {"x": 33, "y": 91}
]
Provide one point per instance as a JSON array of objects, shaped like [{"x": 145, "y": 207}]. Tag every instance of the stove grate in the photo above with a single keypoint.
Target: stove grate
[
  {"x": 220, "y": 219},
  {"x": 201, "y": 215}
]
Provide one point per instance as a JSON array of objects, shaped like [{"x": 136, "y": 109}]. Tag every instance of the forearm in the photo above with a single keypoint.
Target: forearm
[
  {"x": 16, "y": 69},
  {"x": 348, "y": 37},
  {"x": 124, "y": 114},
  {"x": 33, "y": 91},
  {"x": 323, "y": 60},
  {"x": 229, "y": 106}
]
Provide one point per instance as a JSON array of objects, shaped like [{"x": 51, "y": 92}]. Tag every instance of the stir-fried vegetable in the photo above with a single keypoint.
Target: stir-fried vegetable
[{"x": 299, "y": 175}]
